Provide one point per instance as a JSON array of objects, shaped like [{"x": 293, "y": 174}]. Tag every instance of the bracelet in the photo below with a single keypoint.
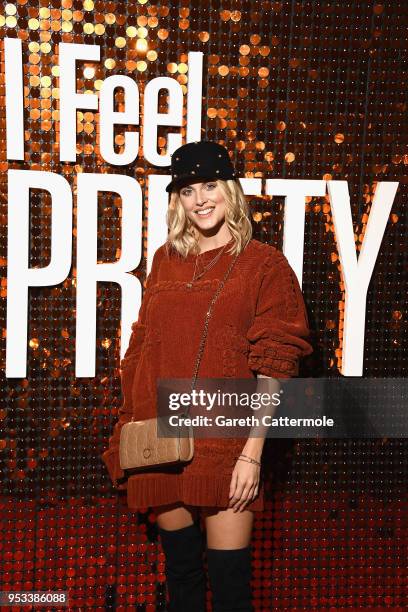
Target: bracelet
[{"x": 249, "y": 459}]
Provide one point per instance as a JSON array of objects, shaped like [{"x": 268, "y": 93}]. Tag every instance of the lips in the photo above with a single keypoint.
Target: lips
[{"x": 205, "y": 212}]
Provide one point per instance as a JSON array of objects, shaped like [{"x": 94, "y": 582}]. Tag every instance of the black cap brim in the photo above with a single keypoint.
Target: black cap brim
[{"x": 188, "y": 180}]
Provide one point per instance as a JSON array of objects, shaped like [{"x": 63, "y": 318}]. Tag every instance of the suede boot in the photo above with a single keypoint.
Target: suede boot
[
  {"x": 186, "y": 580},
  {"x": 229, "y": 573}
]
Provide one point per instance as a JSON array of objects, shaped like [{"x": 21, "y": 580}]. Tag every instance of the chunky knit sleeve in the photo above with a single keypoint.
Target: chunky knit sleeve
[
  {"x": 279, "y": 332},
  {"x": 127, "y": 369}
]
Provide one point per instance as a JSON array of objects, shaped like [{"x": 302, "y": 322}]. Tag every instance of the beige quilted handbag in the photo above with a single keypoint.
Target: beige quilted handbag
[{"x": 140, "y": 448}]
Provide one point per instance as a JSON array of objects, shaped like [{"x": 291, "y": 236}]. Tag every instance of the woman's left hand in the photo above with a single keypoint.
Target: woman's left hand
[{"x": 244, "y": 484}]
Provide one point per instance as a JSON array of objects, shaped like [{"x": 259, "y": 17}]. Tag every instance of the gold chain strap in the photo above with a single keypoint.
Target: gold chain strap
[{"x": 206, "y": 322}]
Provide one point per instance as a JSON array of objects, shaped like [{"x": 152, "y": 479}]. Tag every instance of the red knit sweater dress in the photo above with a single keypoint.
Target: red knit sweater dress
[{"x": 258, "y": 325}]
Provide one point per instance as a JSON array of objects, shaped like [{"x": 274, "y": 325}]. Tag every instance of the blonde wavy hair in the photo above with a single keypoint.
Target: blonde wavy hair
[{"x": 183, "y": 235}]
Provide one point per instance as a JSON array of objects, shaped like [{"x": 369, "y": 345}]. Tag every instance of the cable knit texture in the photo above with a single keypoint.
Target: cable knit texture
[{"x": 258, "y": 326}]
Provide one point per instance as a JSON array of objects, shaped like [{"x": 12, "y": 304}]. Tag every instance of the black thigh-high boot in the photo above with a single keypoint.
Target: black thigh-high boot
[
  {"x": 229, "y": 573},
  {"x": 186, "y": 581}
]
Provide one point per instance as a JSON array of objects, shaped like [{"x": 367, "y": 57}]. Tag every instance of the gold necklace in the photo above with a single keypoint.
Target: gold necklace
[{"x": 207, "y": 267}]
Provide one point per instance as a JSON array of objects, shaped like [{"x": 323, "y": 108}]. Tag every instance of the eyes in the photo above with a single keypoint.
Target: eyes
[{"x": 187, "y": 191}]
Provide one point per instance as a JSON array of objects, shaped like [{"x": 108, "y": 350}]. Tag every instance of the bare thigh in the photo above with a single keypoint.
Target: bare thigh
[
  {"x": 175, "y": 516},
  {"x": 227, "y": 529}
]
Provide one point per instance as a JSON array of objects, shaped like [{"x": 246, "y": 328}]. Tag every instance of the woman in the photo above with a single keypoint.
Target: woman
[{"x": 258, "y": 328}]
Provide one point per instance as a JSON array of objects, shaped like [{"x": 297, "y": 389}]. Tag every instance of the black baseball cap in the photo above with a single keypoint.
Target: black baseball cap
[{"x": 200, "y": 160}]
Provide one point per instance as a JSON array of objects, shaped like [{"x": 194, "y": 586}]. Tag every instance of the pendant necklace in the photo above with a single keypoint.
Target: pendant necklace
[{"x": 206, "y": 268}]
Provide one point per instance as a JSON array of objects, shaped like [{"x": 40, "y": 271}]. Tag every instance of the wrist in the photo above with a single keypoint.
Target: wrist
[
  {"x": 254, "y": 448},
  {"x": 249, "y": 459}
]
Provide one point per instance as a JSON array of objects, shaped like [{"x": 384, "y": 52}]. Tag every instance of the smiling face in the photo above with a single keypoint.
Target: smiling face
[{"x": 204, "y": 204}]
